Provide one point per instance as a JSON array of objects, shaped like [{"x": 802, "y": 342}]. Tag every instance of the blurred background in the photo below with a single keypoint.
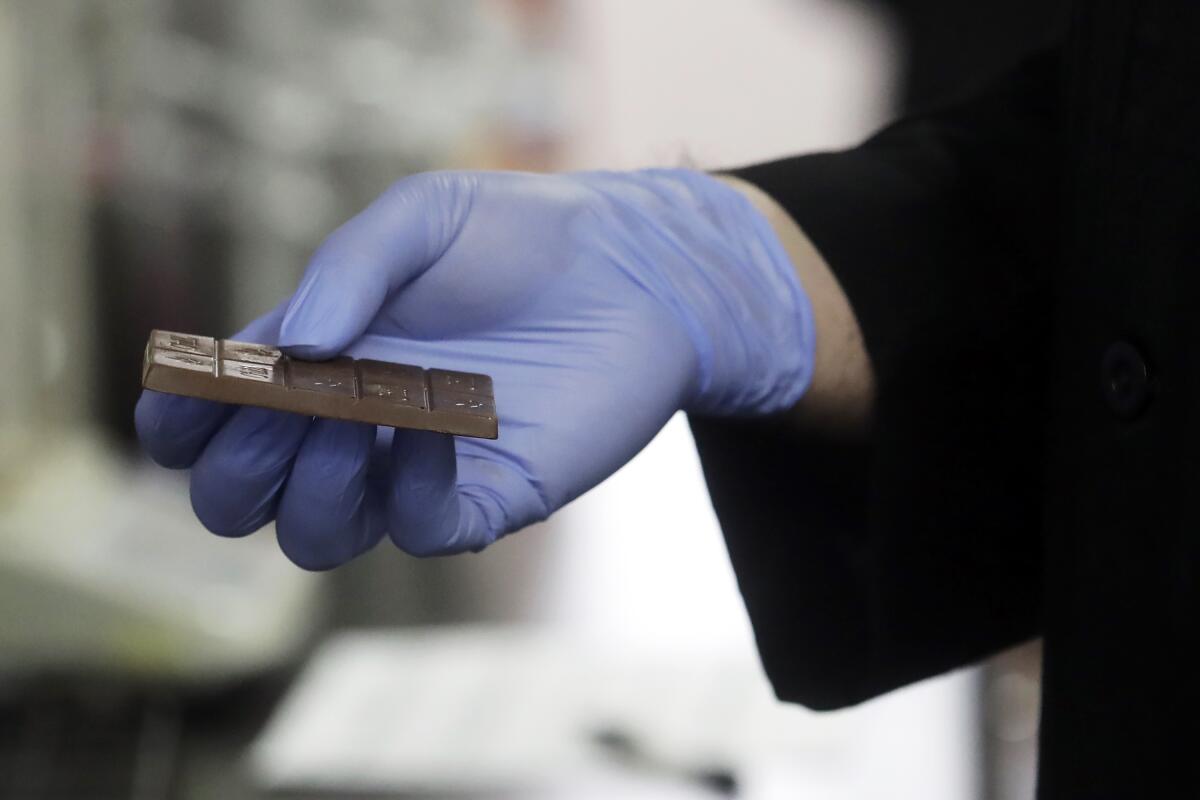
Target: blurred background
[{"x": 172, "y": 164}]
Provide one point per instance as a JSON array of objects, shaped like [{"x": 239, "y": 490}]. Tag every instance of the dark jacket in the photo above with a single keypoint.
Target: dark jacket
[{"x": 1026, "y": 270}]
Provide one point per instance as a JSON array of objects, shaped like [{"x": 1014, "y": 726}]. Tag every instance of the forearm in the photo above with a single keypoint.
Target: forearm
[{"x": 841, "y": 394}]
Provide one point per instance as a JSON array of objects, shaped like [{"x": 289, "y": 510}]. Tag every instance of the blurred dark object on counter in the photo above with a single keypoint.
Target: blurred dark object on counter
[{"x": 82, "y": 737}]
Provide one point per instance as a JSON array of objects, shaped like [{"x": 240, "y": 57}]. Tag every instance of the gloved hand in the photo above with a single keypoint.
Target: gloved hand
[{"x": 600, "y": 303}]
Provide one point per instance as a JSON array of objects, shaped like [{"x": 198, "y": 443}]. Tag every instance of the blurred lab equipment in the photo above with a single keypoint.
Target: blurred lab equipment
[{"x": 101, "y": 569}]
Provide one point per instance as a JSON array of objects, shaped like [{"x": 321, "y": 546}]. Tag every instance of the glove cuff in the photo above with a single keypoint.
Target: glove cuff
[{"x": 745, "y": 310}]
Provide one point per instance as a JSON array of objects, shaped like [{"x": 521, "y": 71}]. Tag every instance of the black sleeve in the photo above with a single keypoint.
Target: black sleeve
[{"x": 869, "y": 565}]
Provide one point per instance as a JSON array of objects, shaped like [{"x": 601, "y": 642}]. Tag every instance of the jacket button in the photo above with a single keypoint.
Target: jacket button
[{"x": 1126, "y": 380}]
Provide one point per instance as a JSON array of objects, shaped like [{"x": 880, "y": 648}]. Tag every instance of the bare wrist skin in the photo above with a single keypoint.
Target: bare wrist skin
[{"x": 840, "y": 398}]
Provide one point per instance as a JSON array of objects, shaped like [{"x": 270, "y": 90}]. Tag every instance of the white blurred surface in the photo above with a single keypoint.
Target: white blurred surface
[
  {"x": 104, "y": 568},
  {"x": 504, "y": 710},
  {"x": 721, "y": 83}
]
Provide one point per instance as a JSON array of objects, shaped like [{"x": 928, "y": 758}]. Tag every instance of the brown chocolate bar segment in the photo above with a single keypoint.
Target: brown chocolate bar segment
[
  {"x": 253, "y": 353},
  {"x": 335, "y": 377},
  {"x": 444, "y": 380},
  {"x": 393, "y": 383},
  {"x": 378, "y": 392},
  {"x": 183, "y": 343},
  {"x": 476, "y": 405}
]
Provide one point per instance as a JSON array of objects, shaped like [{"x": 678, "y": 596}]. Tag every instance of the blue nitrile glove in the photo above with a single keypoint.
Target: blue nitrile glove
[{"x": 600, "y": 303}]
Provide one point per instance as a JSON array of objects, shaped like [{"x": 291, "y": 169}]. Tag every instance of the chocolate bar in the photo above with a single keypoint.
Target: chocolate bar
[{"x": 361, "y": 390}]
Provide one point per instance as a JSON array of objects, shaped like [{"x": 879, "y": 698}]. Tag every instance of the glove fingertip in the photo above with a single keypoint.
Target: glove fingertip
[
  {"x": 314, "y": 329},
  {"x": 309, "y": 352},
  {"x": 422, "y": 504},
  {"x": 334, "y": 304},
  {"x": 302, "y": 336},
  {"x": 173, "y": 429},
  {"x": 212, "y": 511},
  {"x": 328, "y": 515}
]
